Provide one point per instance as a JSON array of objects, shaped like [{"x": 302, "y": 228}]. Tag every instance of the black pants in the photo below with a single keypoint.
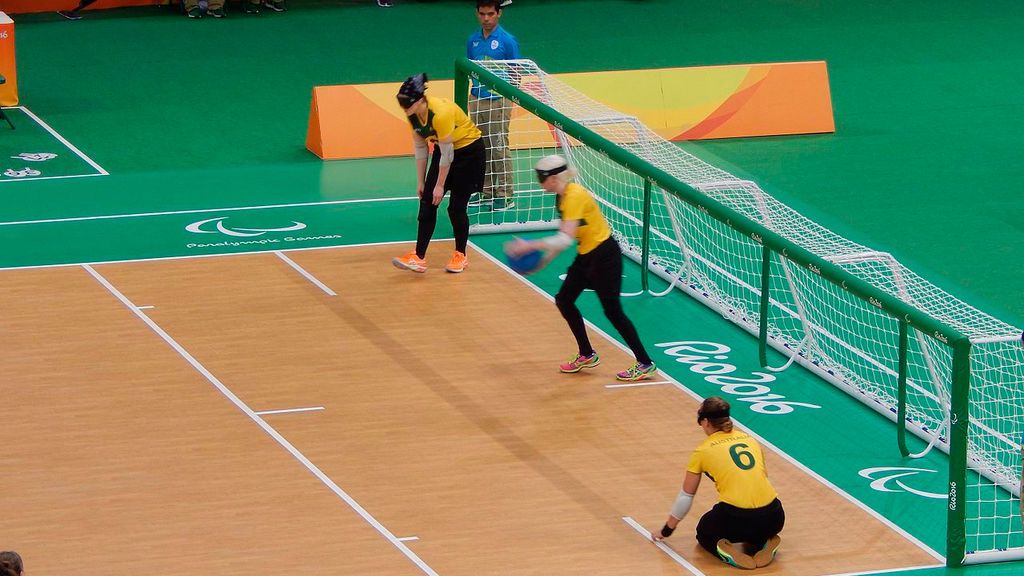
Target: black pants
[
  {"x": 465, "y": 176},
  {"x": 753, "y": 526},
  {"x": 600, "y": 270}
]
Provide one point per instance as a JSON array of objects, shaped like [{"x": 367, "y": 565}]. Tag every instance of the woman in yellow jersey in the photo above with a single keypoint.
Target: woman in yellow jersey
[
  {"x": 743, "y": 528},
  {"x": 457, "y": 165},
  {"x": 598, "y": 265}
]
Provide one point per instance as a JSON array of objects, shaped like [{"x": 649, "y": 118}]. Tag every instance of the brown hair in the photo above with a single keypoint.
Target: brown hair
[
  {"x": 11, "y": 564},
  {"x": 496, "y": 4},
  {"x": 716, "y": 410}
]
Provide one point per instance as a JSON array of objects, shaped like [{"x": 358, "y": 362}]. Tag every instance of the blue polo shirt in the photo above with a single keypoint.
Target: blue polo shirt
[{"x": 500, "y": 45}]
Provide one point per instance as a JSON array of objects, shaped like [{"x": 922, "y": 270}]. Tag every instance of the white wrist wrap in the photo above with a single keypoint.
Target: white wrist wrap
[
  {"x": 559, "y": 241},
  {"x": 681, "y": 505}
]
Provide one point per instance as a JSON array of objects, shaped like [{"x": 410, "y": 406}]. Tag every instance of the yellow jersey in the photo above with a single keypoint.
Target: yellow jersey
[
  {"x": 735, "y": 462},
  {"x": 575, "y": 203},
  {"x": 444, "y": 119}
]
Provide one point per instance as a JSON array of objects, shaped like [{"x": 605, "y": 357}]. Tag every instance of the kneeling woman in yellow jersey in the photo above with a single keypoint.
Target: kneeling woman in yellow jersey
[
  {"x": 743, "y": 528},
  {"x": 598, "y": 266},
  {"x": 458, "y": 164}
]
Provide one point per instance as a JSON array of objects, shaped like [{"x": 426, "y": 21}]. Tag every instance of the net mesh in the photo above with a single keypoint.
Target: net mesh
[{"x": 849, "y": 341}]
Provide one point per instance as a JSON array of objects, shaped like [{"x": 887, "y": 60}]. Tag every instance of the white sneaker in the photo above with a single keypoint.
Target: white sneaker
[
  {"x": 502, "y": 204},
  {"x": 478, "y": 200}
]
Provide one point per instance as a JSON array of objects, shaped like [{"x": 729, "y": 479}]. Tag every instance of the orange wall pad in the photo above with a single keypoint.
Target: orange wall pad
[
  {"x": 364, "y": 120},
  {"x": 25, "y": 6},
  {"x": 354, "y": 121},
  {"x": 8, "y": 64}
]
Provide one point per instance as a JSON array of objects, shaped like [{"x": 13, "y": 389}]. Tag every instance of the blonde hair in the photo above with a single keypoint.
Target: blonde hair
[
  {"x": 567, "y": 176},
  {"x": 554, "y": 162}
]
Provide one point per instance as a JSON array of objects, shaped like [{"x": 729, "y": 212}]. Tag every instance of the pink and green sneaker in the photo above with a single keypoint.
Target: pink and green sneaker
[{"x": 579, "y": 363}]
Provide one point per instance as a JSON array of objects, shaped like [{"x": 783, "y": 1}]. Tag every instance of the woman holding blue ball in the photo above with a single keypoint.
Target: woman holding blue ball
[{"x": 598, "y": 266}]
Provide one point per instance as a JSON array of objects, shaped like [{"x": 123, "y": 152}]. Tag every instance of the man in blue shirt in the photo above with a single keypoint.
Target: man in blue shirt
[{"x": 489, "y": 111}]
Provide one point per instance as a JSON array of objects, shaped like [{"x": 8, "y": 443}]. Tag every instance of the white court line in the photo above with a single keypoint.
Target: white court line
[
  {"x": 799, "y": 465},
  {"x": 33, "y": 179},
  {"x": 636, "y": 384},
  {"x": 190, "y": 256},
  {"x": 146, "y": 307},
  {"x": 305, "y": 274},
  {"x": 64, "y": 141},
  {"x": 890, "y": 571},
  {"x": 664, "y": 547},
  {"x": 262, "y": 423},
  {"x": 289, "y": 410},
  {"x": 200, "y": 211},
  {"x": 409, "y": 538},
  {"x": 597, "y": 330}
]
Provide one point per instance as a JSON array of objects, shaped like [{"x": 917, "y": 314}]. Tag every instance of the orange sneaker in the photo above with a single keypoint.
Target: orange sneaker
[
  {"x": 410, "y": 262},
  {"x": 457, "y": 263}
]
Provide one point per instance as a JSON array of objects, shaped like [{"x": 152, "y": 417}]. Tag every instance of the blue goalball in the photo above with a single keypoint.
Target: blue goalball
[{"x": 525, "y": 263}]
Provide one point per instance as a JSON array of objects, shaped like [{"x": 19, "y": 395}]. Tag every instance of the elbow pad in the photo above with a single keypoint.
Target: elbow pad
[
  {"x": 681, "y": 505},
  {"x": 559, "y": 241},
  {"x": 421, "y": 149},
  {"x": 447, "y": 153}
]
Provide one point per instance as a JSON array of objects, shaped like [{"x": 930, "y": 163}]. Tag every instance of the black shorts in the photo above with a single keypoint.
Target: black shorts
[
  {"x": 600, "y": 270},
  {"x": 751, "y": 525},
  {"x": 465, "y": 174}
]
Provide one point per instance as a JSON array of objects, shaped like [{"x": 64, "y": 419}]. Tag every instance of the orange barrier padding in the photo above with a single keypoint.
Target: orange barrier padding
[
  {"x": 364, "y": 121},
  {"x": 8, "y": 64},
  {"x": 708, "y": 102},
  {"x": 26, "y": 6},
  {"x": 777, "y": 99},
  {"x": 355, "y": 120}
]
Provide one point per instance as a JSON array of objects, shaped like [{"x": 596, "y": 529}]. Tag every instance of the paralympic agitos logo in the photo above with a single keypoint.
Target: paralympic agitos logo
[
  {"x": 218, "y": 226},
  {"x": 888, "y": 479}
]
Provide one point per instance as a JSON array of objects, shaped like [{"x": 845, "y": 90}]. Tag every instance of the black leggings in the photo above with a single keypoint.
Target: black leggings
[
  {"x": 465, "y": 176},
  {"x": 601, "y": 270},
  {"x": 753, "y": 526}
]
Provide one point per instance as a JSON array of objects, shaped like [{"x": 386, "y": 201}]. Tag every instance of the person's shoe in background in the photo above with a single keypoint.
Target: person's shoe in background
[{"x": 502, "y": 204}]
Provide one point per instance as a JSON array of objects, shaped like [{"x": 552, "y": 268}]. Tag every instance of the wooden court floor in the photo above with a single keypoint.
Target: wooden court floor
[{"x": 440, "y": 439}]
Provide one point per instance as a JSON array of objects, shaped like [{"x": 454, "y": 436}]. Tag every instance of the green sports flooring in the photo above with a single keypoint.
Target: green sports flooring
[{"x": 205, "y": 120}]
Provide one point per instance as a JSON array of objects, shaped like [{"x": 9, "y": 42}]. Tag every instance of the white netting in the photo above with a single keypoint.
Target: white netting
[
  {"x": 515, "y": 140},
  {"x": 841, "y": 337}
]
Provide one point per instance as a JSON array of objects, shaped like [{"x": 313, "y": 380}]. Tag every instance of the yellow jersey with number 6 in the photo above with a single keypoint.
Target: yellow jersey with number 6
[{"x": 735, "y": 462}]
